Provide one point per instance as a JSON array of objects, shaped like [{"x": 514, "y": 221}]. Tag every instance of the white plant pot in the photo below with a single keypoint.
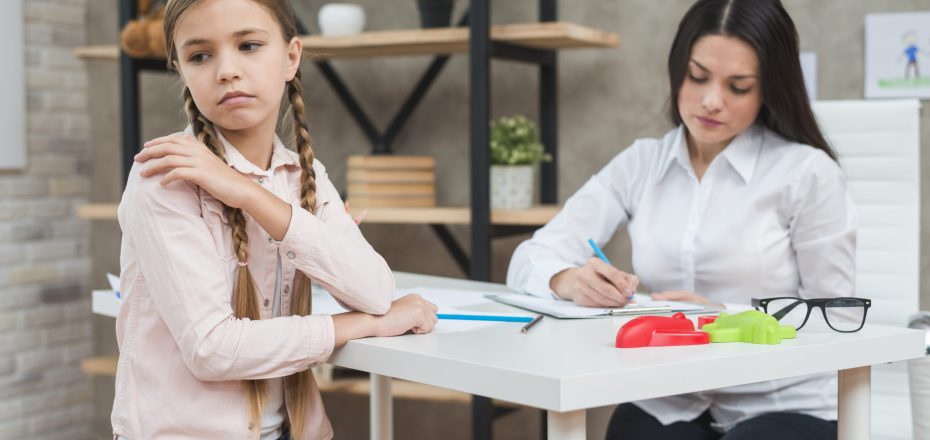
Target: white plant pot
[
  {"x": 341, "y": 19},
  {"x": 512, "y": 186}
]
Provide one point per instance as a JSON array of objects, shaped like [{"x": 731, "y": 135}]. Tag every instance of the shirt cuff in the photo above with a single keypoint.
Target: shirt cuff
[
  {"x": 300, "y": 245},
  {"x": 296, "y": 225},
  {"x": 538, "y": 283},
  {"x": 322, "y": 339}
]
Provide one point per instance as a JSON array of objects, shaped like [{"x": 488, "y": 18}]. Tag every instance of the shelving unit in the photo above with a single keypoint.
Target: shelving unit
[
  {"x": 443, "y": 41},
  {"x": 503, "y": 221},
  {"x": 449, "y": 215},
  {"x": 534, "y": 43}
]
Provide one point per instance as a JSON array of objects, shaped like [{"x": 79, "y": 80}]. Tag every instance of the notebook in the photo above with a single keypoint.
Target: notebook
[{"x": 567, "y": 309}]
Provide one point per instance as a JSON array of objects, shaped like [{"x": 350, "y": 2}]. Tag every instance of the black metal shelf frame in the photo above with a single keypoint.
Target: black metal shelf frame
[{"x": 481, "y": 51}]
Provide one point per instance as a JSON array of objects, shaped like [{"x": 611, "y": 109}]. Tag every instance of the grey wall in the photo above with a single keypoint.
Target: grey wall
[
  {"x": 608, "y": 98},
  {"x": 45, "y": 314}
]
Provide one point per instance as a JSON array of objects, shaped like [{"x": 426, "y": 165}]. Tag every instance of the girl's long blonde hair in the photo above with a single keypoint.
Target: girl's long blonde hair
[{"x": 245, "y": 300}]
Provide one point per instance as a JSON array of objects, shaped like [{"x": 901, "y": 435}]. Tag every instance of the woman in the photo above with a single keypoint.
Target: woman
[{"x": 743, "y": 199}]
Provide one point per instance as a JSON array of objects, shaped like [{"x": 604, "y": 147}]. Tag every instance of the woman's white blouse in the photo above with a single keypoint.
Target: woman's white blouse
[{"x": 768, "y": 218}]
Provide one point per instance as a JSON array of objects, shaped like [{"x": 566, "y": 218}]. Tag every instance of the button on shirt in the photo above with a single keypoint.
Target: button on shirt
[
  {"x": 183, "y": 354},
  {"x": 768, "y": 218}
]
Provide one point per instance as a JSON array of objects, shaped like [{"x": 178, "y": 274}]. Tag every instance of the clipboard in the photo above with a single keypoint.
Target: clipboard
[{"x": 569, "y": 310}]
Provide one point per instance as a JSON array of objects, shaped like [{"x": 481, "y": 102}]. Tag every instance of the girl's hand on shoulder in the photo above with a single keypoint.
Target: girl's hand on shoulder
[
  {"x": 680, "y": 295},
  {"x": 183, "y": 157},
  {"x": 409, "y": 313}
]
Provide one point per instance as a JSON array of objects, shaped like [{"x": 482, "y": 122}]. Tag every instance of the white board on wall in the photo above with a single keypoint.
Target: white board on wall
[{"x": 12, "y": 87}]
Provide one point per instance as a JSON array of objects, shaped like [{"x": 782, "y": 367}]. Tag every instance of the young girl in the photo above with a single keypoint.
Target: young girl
[{"x": 223, "y": 229}]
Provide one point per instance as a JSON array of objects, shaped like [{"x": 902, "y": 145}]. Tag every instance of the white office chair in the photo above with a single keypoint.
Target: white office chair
[{"x": 878, "y": 143}]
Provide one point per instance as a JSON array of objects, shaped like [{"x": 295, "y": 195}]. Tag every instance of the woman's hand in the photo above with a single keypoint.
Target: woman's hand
[
  {"x": 681, "y": 295},
  {"x": 409, "y": 313},
  {"x": 596, "y": 284},
  {"x": 183, "y": 157}
]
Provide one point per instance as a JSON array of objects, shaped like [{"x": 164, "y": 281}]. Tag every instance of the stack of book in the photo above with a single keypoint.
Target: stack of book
[{"x": 391, "y": 181}]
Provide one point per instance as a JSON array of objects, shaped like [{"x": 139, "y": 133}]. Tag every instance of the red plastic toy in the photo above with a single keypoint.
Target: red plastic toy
[
  {"x": 660, "y": 331},
  {"x": 706, "y": 320}
]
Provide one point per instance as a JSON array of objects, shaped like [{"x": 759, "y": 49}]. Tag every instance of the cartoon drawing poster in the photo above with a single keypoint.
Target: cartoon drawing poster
[{"x": 897, "y": 55}]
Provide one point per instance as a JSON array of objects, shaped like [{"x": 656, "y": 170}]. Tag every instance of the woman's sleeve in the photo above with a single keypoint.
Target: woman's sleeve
[
  {"x": 823, "y": 230},
  {"x": 190, "y": 289},
  {"x": 329, "y": 248},
  {"x": 595, "y": 211}
]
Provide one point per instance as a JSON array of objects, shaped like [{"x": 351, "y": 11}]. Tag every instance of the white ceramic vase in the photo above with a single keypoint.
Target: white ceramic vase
[
  {"x": 341, "y": 19},
  {"x": 512, "y": 186}
]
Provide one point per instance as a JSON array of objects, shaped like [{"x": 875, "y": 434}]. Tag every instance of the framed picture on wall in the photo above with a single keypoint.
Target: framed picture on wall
[
  {"x": 897, "y": 55},
  {"x": 12, "y": 87}
]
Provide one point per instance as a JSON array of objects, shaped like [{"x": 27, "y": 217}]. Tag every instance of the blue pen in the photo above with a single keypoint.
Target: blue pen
[
  {"x": 484, "y": 317},
  {"x": 600, "y": 254},
  {"x": 598, "y": 251}
]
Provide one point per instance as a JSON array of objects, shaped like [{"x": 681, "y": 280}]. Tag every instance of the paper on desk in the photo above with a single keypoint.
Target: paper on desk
[
  {"x": 445, "y": 299},
  {"x": 114, "y": 284},
  {"x": 647, "y": 301},
  {"x": 553, "y": 307},
  {"x": 568, "y": 309}
]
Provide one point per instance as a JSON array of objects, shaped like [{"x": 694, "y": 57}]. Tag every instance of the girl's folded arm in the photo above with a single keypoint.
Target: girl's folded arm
[
  {"x": 189, "y": 284},
  {"x": 329, "y": 247}
]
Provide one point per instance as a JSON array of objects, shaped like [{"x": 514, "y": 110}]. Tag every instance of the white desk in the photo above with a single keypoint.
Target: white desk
[{"x": 568, "y": 366}]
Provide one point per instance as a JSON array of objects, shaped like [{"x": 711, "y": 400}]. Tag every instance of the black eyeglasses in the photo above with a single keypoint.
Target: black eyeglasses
[{"x": 844, "y": 315}]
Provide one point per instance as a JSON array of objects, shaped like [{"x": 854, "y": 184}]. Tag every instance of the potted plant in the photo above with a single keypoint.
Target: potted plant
[
  {"x": 515, "y": 151},
  {"x": 435, "y": 13}
]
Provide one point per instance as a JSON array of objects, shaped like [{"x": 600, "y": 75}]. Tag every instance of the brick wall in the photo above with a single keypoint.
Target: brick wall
[{"x": 45, "y": 319}]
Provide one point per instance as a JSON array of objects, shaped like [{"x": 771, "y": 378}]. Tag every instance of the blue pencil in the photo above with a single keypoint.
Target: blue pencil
[
  {"x": 598, "y": 251},
  {"x": 600, "y": 254},
  {"x": 484, "y": 317}
]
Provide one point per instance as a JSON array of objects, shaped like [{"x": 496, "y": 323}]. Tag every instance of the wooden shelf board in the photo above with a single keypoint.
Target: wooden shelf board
[
  {"x": 450, "y": 215},
  {"x": 100, "y": 365},
  {"x": 535, "y": 216},
  {"x": 108, "y": 52},
  {"x": 97, "y": 211},
  {"x": 550, "y": 35},
  {"x": 553, "y": 35}
]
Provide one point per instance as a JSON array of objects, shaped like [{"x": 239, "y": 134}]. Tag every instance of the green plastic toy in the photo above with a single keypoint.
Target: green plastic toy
[{"x": 752, "y": 326}]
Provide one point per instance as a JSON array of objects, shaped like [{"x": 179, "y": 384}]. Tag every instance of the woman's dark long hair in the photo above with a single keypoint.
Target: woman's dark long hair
[{"x": 766, "y": 26}]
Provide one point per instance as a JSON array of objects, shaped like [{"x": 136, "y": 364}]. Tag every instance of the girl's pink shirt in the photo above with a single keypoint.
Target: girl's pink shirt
[{"x": 183, "y": 354}]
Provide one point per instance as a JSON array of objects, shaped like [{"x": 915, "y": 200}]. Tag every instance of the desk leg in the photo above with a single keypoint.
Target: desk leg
[
  {"x": 382, "y": 412},
  {"x": 567, "y": 425},
  {"x": 855, "y": 404}
]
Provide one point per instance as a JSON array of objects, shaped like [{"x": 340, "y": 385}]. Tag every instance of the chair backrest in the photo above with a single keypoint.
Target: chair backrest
[{"x": 878, "y": 144}]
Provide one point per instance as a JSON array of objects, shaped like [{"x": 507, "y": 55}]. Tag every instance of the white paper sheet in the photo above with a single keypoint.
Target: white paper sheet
[
  {"x": 646, "y": 301},
  {"x": 445, "y": 299},
  {"x": 568, "y": 309}
]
